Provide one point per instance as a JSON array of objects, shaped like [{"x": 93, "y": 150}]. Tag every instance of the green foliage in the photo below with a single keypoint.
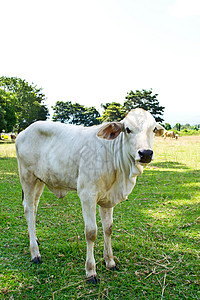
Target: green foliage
[
  {"x": 78, "y": 114},
  {"x": 62, "y": 111},
  {"x": 146, "y": 100},
  {"x": 7, "y": 111},
  {"x": 2, "y": 119},
  {"x": 105, "y": 105},
  {"x": 167, "y": 126},
  {"x": 138, "y": 99},
  {"x": 66, "y": 112},
  {"x": 112, "y": 112},
  {"x": 186, "y": 130},
  {"x": 178, "y": 126},
  {"x": 91, "y": 116},
  {"x": 24, "y": 103}
]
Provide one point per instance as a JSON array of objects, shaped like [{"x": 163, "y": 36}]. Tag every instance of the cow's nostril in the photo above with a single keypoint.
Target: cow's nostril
[
  {"x": 140, "y": 153},
  {"x": 145, "y": 155}
]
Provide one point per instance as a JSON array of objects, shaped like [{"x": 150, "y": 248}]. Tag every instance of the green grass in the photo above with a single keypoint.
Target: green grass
[{"x": 155, "y": 236}]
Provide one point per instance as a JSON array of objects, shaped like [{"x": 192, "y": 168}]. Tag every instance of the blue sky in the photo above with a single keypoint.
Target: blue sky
[{"x": 95, "y": 51}]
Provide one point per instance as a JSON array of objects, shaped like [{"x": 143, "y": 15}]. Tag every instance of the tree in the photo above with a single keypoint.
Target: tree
[
  {"x": 168, "y": 126},
  {"x": 63, "y": 112},
  {"x": 8, "y": 117},
  {"x": 178, "y": 126},
  {"x": 2, "y": 120},
  {"x": 78, "y": 111},
  {"x": 112, "y": 112},
  {"x": 28, "y": 101},
  {"x": 66, "y": 112},
  {"x": 105, "y": 105},
  {"x": 146, "y": 100},
  {"x": 91, "y": 116}
]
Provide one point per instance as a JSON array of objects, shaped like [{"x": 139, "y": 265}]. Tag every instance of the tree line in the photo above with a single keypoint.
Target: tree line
[
  {"x": 22, "y": 103},
  {"x": 66, "y": 112}
]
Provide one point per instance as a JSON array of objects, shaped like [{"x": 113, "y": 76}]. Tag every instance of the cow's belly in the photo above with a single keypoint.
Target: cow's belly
[
  {"x": 61, "y": 188},
  {"x": 58, "y": 191},
  {"x": 58, "y": 180}
]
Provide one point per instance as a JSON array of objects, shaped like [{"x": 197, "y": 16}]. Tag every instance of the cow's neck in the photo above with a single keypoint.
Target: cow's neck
[
  {"x": 123, "y": 160},
  {"x": 125, "y": 173}
]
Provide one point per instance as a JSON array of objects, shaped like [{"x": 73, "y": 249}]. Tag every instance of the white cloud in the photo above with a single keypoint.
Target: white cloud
[{"x": 185, "y": 8}]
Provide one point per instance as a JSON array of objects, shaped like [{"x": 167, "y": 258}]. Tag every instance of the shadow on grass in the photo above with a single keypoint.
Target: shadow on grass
[
  {"x": 7, "y": 142},
  {"x": 169, "y": 165}
]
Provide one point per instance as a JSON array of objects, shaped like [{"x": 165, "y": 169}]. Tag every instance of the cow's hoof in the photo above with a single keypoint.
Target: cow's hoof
[
  {"x": 93, "y": 279},
  {"x": 115, "y": 268},
  {"x": 37, "y": 260}
]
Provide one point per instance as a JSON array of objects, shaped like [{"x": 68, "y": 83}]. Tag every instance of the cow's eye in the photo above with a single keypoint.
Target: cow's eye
[
  {"x": 155, "y": 129},
  {"x": 128, "y": 130}
]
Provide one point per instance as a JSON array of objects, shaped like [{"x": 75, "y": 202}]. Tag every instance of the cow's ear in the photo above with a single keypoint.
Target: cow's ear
[
  {"x": 110, "y": 130},
  {"x": 159, "y": 130}
]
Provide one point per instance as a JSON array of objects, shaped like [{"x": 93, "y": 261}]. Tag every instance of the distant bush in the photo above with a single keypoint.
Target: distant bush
[{"x": 187, "y": 132}]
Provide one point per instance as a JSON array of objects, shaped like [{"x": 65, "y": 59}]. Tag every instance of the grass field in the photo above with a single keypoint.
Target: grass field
[{"x": 156, "y": 235}]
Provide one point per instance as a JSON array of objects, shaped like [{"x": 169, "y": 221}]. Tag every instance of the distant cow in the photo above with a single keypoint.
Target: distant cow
[
  {"x": 100, "y": 162},
  {"x": 13, "y": 136},
  {"x": 170, "y": 134}
]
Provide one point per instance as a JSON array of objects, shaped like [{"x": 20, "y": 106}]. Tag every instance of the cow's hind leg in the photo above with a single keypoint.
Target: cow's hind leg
[
  {"x": 107, "y": 222},
  {"x": 32, "y": 192},
  {"x": 38, "y": 192}
]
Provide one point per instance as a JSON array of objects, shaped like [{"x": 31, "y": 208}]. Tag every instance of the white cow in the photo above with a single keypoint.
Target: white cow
[{"x": 100, "y": 162}]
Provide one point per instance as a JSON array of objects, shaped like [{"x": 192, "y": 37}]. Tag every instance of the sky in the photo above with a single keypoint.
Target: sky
[{"x": 96, "y": 51}]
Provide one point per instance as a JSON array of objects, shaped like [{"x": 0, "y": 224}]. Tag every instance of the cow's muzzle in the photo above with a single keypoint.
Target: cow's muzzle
[{"x": 145, "y": 156}]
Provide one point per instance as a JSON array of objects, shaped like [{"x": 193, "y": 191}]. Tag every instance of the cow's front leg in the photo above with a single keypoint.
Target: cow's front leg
[
  {"x": 89, "y": 215},
  {"x": 107, "y": 222}
]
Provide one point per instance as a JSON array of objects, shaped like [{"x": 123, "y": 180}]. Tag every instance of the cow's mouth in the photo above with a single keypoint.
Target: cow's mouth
[{"x": 141, "y": 163}]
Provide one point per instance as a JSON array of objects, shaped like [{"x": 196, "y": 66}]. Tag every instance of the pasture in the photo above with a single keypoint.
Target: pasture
[{"x": 156, "y": 235}]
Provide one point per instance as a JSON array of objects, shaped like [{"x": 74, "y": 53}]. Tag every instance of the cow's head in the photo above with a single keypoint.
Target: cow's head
[{"x": 138, "y": 128}]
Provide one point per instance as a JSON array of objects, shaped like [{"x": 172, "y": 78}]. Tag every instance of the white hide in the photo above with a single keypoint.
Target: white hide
[{"x": 68, "y": 157}]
